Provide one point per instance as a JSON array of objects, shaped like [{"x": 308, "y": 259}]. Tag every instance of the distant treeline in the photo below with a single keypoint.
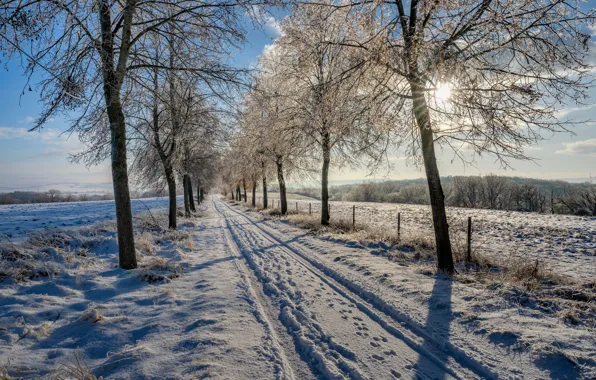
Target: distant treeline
[
  {"x": 490, "y": 192},
  {"x": 53, "y": 196}
]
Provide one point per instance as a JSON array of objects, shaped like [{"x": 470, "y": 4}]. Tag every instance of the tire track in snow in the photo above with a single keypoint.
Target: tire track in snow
[
  {"x": 375, "y": 308},
  {"x": 325, "y": 357},
  {"x": 277, "y": 354},
  {"x": 380, "y": 361}
]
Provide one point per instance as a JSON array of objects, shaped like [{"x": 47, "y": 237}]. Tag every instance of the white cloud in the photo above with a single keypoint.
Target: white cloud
[
  {"x": 273, "y": 25},
  {"x": 56, "y": 143},
  {"x": 566, "y": 111},
  {"x": 13, "y": 133},
  {"x": 585, "y": 147}
]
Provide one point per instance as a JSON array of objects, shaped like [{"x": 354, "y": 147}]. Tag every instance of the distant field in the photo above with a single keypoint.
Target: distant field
[{"x": 16, "y": 221}]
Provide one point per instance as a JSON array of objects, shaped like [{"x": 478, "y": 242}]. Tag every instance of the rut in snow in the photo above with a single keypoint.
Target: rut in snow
[{"x": 334, "y": 329}]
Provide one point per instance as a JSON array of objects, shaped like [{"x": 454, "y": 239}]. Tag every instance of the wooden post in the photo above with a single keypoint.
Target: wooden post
[
  {"x": 399, "y": 225},
  {"x": 329, "y": 209},
  {"x": 469, "y": 254},
  {"x": 309, "y": 209},
  {"x": 353, "y": 216},
  {"x": 296, "y": 206}
]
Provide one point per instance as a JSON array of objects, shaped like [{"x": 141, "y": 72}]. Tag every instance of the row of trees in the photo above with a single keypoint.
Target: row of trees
[
  {"x": 489, "y": 192},
  {"x": 50, "y": 196},
  {"x": 134, "y": 75},
  {"x": 348, "y": 82}
]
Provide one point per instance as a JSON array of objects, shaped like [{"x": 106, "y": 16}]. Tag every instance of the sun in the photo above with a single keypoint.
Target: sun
[{"x": 443, "y": 91}]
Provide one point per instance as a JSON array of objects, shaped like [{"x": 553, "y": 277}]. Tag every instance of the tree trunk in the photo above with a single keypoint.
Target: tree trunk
[
  {"x": 112, "y": 84},
  {"x": 202, "y": 195},
  {"x": 244, "y": 187},
  {"x": 437, "y": 198},
  {"x": 325, "y": 180},
  {"x": 254, "y": 193},
  {"x": 191, "y": 198},
  {"x": 282, "y": 186},
  {"x": 199, "y": 192},
  {"x": 172, "y": 222},
  {"x": 186, "y": 201},
  {"x": 126, "y": 247},
  {"x": 264, "y": 185}
]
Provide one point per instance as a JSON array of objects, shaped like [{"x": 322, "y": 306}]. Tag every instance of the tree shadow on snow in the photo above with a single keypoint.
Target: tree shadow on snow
[{"x": 437, "y": 327}]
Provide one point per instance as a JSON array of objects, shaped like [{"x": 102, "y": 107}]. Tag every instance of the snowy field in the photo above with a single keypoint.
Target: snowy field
[
  {"x": 567, "y": 244},
  {"x": 233, "y": 295},
  {"x": 16, "y": 221}
]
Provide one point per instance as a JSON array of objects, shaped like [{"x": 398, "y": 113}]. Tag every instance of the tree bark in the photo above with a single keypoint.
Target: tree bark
[
  {"x": 186, "y": 201},
  {"x": 199, "y": 192},
  {"x": 437, "y": 198},
  {"x": 325, "y": 179},
  {"x": 191, "y": 198},
  {"x": 282, "y": 185},
  {"x": 112, "y": 84},
  {"x": 172, "y": 222},
  {"x": 244, "y": 187},
  {"x": 264, "y": 185},
  {"x": 254, "y": 193}
]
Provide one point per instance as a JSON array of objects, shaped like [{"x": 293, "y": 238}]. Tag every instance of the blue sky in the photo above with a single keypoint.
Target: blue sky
[{"x": 38, "y": 160}]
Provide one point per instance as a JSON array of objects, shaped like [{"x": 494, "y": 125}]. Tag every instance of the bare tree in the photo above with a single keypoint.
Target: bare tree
[
  {"x": 88, "y": 50},
  {"x": 53, "y": 194},
  {"x": 321, "y": 80},
  {"x": 479, "y": 76}
]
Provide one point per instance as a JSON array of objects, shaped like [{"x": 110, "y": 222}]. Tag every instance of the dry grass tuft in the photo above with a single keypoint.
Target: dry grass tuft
[
  {"x": 158, "y": 269},
  {"x": 144, "y": 243},
  {"x": 75, "y": 368}
]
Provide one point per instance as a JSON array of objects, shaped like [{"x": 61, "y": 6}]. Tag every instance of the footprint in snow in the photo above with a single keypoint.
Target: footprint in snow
[
  {"x": 378, "y": 357},
  {"x": 375, "y": 344}
]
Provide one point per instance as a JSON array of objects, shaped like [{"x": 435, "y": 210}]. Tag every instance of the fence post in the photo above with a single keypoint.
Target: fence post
[
  {"x": 399, "y": 225},
  {"x": 309, "y": 209},
  {"x": 353, "y": 216},
  {"x": 469, "y": 253},
  {"x": 329, "y": 209},
  {"x": 296, "y": 206}
]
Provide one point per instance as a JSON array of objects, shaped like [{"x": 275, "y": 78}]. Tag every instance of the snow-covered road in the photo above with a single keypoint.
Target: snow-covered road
[{"x": 336, "y": 331}]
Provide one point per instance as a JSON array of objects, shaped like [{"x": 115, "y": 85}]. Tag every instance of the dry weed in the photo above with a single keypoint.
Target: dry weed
[
  {"x": 159, "y": 269},
  {"x": 75, "y": 368}
]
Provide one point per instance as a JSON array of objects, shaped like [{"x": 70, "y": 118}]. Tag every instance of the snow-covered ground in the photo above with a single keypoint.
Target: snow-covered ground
[
  {"x": 236, "y": 296},
  {"x": 566, "y": 243},
  {"x": 16, "y": 221}
]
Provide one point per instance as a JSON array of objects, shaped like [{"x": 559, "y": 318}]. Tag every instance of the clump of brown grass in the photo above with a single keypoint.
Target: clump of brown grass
[
  {"x": 158, "y": 269},
  {"x": 144, "y": 243},
  {"x": 75, "y": 368}
]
